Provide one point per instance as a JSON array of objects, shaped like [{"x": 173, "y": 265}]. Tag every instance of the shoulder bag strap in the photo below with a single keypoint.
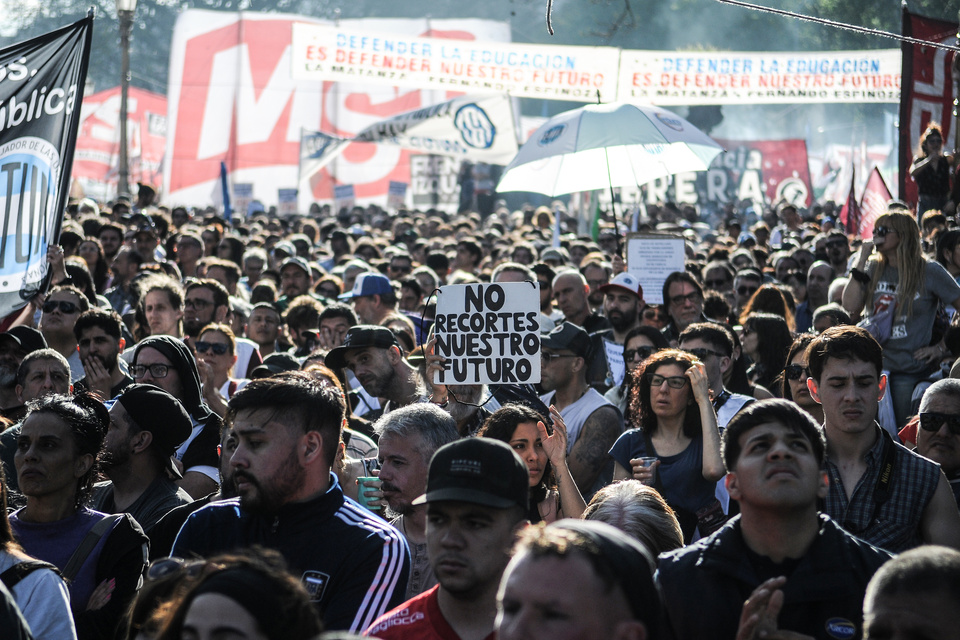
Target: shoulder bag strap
[
  {"x": 21, "y": 570},
  {"x": 86, "y": 546}
]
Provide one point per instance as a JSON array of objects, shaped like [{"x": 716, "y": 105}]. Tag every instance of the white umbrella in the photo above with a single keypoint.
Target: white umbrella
[{"x": 607, "y": 145}]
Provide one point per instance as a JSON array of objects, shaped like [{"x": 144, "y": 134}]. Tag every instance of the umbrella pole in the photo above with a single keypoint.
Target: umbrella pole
[{"x": 613, "y": 207}]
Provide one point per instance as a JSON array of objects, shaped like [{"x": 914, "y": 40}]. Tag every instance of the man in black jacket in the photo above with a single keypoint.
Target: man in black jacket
[
  {"x": 779, "y": 565},
  {"x": 353, "y": 564}
]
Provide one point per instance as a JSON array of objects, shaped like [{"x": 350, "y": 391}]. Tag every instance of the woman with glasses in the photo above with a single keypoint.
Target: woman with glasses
[
  {"x": 168, "y": 363},
  {"x": 766, "y": 339},
  {"x": 216, "y": 355},
  {"x": 793, "y": 382},
  {"x": 641, "y": 342},
  {"x": 902, "y": 285},
  {"x": 678, "y": 427},
  {"x": 102, "y": 557}
]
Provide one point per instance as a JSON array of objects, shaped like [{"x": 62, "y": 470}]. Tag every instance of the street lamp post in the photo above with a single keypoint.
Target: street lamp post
[{"x": 125, "y": 11}]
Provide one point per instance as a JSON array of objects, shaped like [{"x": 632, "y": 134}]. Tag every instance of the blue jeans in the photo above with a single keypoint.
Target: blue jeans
[{"x": 900, "y": 386}]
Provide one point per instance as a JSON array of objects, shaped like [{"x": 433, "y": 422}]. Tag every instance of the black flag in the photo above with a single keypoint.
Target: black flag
[{"x": 41, "y": 88}]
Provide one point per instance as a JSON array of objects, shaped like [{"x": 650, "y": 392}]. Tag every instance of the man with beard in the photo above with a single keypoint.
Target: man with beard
[
  {"x": 622, "y": 304},
  {"x": 353, "y": 564},
  {"x": 373, "y": 355},
  {"x": 99, "y": 345},
  {"x": 147, "y": 425},
  {"x": 476, "y": 499},
  {"x": 409, "y": 437},
  {"x": 205, "y": 302},
  {"x": 295, "y": 281}
]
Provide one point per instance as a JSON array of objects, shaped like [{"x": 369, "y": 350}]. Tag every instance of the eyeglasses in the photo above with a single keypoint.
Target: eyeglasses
[
  {"x": 702, "y": 354},
  {"x": 654, "y": 314},
  {"x": 835, "y": 244},
  {"x": 216, "y": 347},
  {"x": 65, "y": 306},
  {"x": 401, "y": 268},
  {"x": 328, "y": 292},
  {"x": 933, "y": 421},
  {"x": 716, "y": 284},
  {"x": 744, "y": 290},
  {"x": 550, "y": 357},
  {"x": 882, "y": 231},
  {"x": 796, "y": 372},
  {"x": 674, "y": 382},
  {"x": 642, "y": 352},
  {"x": 164, "y": 567},
  {"x": 196, "y": 303},
  {"x": 693, "y": 296},
  {"x": 156, "y": 370}
]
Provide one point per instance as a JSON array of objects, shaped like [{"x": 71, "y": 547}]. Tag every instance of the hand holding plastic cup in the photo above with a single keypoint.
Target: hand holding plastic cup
[
  {"x": 648, "y": 463},
  {"x": 369, "y": 487}
]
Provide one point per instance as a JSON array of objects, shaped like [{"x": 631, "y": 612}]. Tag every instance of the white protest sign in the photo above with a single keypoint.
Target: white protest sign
[
  {"x": 614, "y": 353},
  {"x": 344, "y": 196},
  {"x": 651, "y": 258},
  {"x": 242, "y": 197},
  {"x": 489, "y": 333},
  {"x": 287, "y": 202}
]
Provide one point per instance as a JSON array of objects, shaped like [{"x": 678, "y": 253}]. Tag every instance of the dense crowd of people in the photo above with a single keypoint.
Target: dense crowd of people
[{"x": 234, "y": 428}]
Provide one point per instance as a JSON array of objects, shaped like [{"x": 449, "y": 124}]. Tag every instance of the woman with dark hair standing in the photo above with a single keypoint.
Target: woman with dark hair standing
[
  {"x": 553, "y": 493},
  {"x": 930, "y": 169},
  {"x": 766, "y": 339},
  {"x": 101, "y": 556},
  {"x": 902, "y": 286},
  {"x": 677, "y": 426}
]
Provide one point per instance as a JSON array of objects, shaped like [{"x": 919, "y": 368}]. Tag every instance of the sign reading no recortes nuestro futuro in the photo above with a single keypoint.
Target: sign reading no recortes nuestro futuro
[
  {"x": 488, "y": 333},
  {"x": 533, "y": 71}
]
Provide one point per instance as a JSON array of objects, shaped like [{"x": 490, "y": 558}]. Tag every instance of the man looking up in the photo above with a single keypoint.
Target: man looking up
[
  {"x": 476, "y": 499},
  {"x": 99, "y": 345},
  {"x": 147, "y": 425},
  {"x": 879, "y": 490},
  {"x": 778, "y": 565},
  {"x": 353, "y": 564}
]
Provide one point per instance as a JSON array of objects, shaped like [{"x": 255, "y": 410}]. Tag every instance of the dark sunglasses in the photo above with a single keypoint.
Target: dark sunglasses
[
  {"x": 933, "y": 421},
  {"x": 746, "y": 291},
  {"x": 217, "y": 348},
  {"x": 796, "y": 372},
  {"x": 715, "y": 284},
  {"x": 703, "y": 354},
  {"x": 65, "y": 306},
  {"x": 169, "y": 566},
  {"x": 642, "y": 352},
  {"x": 654, "y": 314},
  {"x": 882, "y": 231}
]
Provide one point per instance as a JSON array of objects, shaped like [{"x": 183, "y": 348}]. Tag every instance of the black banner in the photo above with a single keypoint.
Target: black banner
[{"x": 41, "y": 89}]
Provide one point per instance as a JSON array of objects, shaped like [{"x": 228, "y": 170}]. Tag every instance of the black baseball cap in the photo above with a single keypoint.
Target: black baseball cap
[
  {"x": 361, "y": 336},
  {"x": 568, "y": 337},
  {"x": 481, "y": 471},
  {"x": 154, "y": 410}
]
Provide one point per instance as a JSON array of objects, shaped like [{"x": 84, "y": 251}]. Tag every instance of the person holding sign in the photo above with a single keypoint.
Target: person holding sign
[{"x": 593, "y": 424}]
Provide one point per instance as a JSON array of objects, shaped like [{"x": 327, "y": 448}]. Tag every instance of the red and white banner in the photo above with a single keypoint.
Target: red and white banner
[
  {"x": 724, "y": 77},
  {"x": 775, "y": 169},
  {"x": 232, "y": 98},
  {"x": 96, "y": 160},
  {"x": 928, "y": 91},
  {"x": 873, "y": 204}
]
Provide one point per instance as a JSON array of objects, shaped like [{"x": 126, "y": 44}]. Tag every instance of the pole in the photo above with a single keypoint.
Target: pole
[{"x": 126, "y": 26}]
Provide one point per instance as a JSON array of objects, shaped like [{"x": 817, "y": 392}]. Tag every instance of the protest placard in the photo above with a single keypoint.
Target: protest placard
[
  {"x": 488, "y": 333},
  {"x": 651, "y": 257},
  {"x": 287, "y": 202}
]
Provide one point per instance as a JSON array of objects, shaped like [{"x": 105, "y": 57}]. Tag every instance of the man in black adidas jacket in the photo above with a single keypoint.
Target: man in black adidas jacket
[
  {"x": 778, "y": 567},
  {"x": 354, "y": 565}
]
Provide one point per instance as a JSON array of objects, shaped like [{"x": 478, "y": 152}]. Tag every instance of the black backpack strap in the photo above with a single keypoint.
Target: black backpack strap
[
  {"x": 86, "y": 546},
  {"x": 21, "y": 570}
]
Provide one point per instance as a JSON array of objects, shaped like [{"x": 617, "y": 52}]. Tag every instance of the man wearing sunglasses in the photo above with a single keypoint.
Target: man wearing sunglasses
[
  {"x": 938, "y": 435},
  {"x": 60, "y": 312},
  {"x": 745, "y": 284},
  {"x": 879, "y": 490}
]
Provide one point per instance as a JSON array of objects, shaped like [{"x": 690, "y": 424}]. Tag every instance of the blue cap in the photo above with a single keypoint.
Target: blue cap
[{"x": 369, "y": 284}]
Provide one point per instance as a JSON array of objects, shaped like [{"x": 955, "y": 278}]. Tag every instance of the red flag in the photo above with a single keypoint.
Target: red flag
[
  {"x": 927, "y": 93},
  {"x": 850, "y": 213},
  {"x": 873, "y": 203}
]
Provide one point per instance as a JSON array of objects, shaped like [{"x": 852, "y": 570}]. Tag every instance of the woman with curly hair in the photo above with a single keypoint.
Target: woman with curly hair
[
  {"x": 766, "y": 339},
  {"x": 900, "y": 280},
  {"x": 553, "y": 493},
  {"x": 248, "y": 596},
  {"x": 678, "y": 427},
  {"x": 56, "y": 464}
]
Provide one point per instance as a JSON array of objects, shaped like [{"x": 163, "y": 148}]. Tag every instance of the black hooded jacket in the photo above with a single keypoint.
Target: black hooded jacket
[{"x": 202, "y": 450}]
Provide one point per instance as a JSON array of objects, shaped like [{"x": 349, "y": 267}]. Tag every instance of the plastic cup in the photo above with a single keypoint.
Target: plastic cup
[
  {"x": 648, "y": 461},
  {"x": 362, "y": 497}
]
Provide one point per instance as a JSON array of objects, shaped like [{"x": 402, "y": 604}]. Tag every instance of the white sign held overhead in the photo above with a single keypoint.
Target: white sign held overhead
[
  {"x": 322, "y": 52},
  {"x": 488, "y": 333},
  {"x": 653, "y": 257}
]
